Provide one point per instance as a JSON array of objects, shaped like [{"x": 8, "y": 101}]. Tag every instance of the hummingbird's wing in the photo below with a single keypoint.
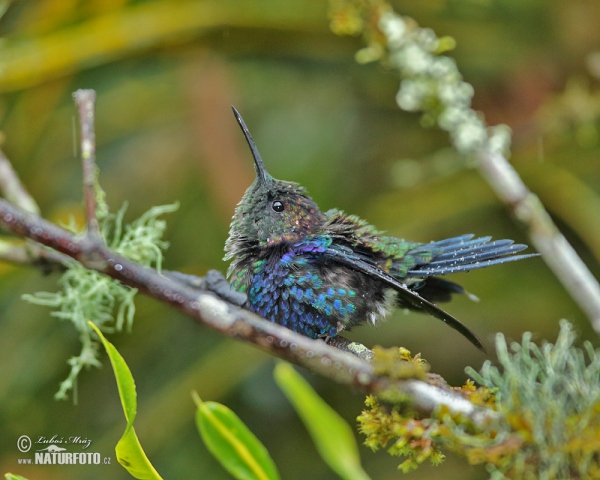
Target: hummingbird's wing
[
  {"x": 345, "y": 256},
  {"x": 405, "y": 259}
]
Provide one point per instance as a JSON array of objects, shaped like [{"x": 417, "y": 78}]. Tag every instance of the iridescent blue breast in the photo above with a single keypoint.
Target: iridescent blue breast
[{"x": 291, "y": 290}]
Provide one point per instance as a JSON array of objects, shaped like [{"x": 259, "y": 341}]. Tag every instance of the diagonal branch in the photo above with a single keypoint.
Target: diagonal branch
[
  {"x": 12, "y": 188},
  {"x": 233, "y": 321},
  {"x": 545, "y": 235},
  {"x": 18, "y": 251},
  {"x": 432, "y": 83}
]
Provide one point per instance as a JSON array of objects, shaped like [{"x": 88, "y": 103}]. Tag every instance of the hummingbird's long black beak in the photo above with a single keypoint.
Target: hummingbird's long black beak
[{"x": 259, "y": 166}]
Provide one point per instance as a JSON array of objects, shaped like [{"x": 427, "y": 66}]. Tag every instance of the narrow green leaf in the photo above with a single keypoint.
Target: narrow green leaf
[
  {"x": 131, "y": 455},
  {"x": 332, "y": 436},
  {"x": 232, "y": 443},
  {"x": 129, "y": 451},
  {"x": 12, "y": 476}
]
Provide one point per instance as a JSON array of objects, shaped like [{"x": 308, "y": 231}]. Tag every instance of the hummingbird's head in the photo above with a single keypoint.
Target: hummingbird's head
[{"x": 271, "y": 212}]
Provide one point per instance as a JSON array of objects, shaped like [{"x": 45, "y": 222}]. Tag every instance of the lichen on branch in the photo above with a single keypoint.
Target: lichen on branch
[
  {"x": 548, "y": 399},
  {"x": 86, "y": 295}
]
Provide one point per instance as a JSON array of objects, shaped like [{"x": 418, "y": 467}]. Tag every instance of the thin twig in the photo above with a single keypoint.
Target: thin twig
[
  {"x": 550, "y": 242},
  {"x": 12, "y": 189},
  {"x": 28, "y": 253},
  {"x": 85, "y": 101},
  {"x": 32, "y": 254}
]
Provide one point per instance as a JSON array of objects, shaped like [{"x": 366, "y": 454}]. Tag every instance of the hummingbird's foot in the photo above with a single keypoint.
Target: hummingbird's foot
[
  {"x": 218, "y": 284},
  {"x": 339, "y": 327}
]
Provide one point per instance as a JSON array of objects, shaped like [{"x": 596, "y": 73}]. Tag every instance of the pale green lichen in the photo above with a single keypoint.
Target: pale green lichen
[
  {"x": 548, "y": 396},
  {"x": 85, "y": 295},
  {"x": 431, "y": 82}
]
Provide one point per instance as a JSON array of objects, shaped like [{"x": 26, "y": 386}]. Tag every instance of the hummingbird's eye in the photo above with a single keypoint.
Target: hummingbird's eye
[{"x": 278, "y": 206}]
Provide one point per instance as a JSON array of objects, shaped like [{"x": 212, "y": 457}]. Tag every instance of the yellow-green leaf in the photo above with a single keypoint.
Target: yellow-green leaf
[
  {"x": 232, "y": 443},
  {"x": 129, "y": 451},
  {"x": 131, "y": 455},
  {"x": 12, "y": 476},
  {"x": 445, "y": 44},
  {"x": 332, "y": 436}
]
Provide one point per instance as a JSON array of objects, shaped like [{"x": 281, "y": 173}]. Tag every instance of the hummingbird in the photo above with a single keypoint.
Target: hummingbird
[{"x": 319, "y": 273}]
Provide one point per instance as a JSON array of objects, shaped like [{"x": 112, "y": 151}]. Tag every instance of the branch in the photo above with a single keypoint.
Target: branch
[
  {"x": 225, "y": 317},
  {"x": 18, "y": 252},
  {"x": 85, "y": 100},
  {"x": 230, "y": 320},
  {"x": 550, "y": 242},
  {"x": 431, "y": 83},
  {"x": 12, "y": 188},
  {"x": 32, "y": 254}
]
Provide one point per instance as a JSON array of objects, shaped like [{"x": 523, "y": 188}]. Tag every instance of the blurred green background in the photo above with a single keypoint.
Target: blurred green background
[{"x": 166, "y": 73}]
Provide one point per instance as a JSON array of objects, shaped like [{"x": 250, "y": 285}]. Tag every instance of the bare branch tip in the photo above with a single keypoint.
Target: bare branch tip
[
  {"x": 84, "y": 95},
  {"x": 85, "y": 100}
]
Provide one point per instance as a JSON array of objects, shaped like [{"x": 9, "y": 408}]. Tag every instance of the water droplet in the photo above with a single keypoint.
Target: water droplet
[{"x": 118, "y": 267}]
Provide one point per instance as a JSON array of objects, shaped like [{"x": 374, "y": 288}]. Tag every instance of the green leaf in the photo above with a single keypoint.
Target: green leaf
[
  {"x": 332, "y": 436},
  {"x": 12, "y": 476},
  {"x": 445, "y": 44},
  {"x": 129, "y": 451},
  {"x": 131, "y": 455},
  {"x": 232, "y": 443}
]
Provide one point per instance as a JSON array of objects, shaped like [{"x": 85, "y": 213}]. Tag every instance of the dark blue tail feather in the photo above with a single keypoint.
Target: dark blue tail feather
[{"x": 462, "y": 254}]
